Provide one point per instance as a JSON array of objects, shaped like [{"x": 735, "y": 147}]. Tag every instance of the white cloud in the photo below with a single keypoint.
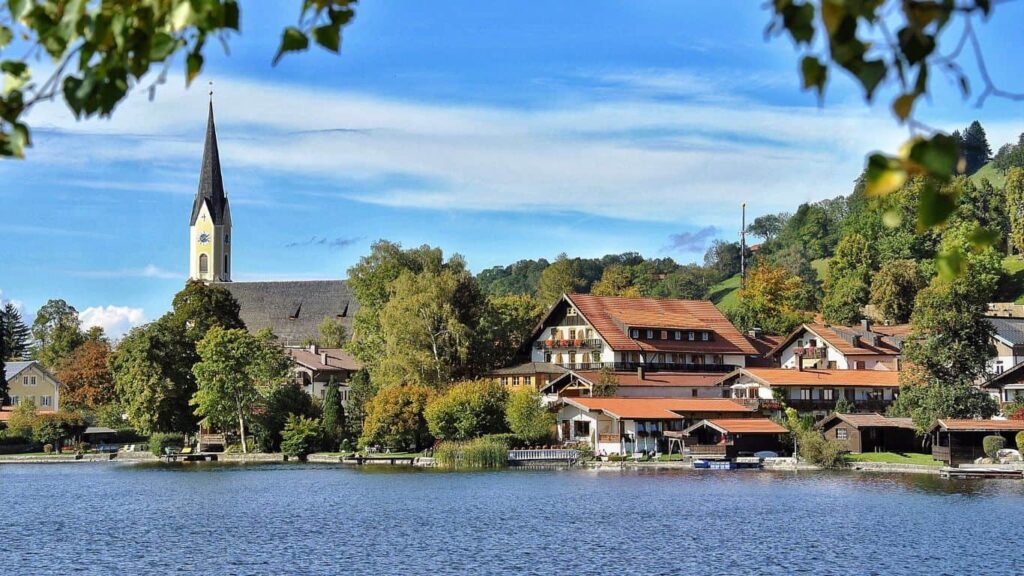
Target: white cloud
[
  {"x": 17, "y": 304},
  {"x": 690, "y": 162},
  {"x": 115, "y": 320}
]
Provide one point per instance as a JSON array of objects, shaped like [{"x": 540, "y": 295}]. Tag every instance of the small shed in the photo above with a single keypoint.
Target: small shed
[
  {"x": 872, "y": 432},
  {"x": 99, "y": 435},
  {"x": 732, "y": 437},
  {"x": 960, "y": 441}
]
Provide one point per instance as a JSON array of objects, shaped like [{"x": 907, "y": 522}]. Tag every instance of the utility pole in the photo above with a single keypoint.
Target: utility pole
[{"x": 743, "y": 248}]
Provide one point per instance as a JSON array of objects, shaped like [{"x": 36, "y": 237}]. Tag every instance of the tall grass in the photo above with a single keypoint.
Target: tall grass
[{"x": 478, "y": 453}]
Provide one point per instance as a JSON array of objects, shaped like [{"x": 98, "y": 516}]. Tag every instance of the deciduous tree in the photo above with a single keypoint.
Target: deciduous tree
[
  {"x": 894, "y": 288},
  {"x": 768, "y": 301},
  {"x": 333, "y": 333},
  {"x": 86, "y": 378},
  {"x": 563, "y": 276},
  {"x": 57, "y": 332},
  {"x": 615, "y": 281},
  {"x": 394, "y": 418},
  {"x": 527, "y": 417},
  {"x": 505, "y": 326},
  {"x": 467, "y": 410},
  {"x": 236, "y": 373}
]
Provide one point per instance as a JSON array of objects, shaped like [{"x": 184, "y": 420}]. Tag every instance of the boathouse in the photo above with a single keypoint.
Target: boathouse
[
  {"x": 732, "y": 437},
  {"x": 872, "y": 433},
  {"x": 960, "y": 441}
]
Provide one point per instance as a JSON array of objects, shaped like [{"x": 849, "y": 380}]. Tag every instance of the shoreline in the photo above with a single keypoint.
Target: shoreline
[{"x": 326, "y": 458}]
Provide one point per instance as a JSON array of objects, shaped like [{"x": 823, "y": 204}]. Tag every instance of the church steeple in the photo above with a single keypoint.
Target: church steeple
[
  {"x": 211, "y": 184},
  {"x": 210, "y": 225}
]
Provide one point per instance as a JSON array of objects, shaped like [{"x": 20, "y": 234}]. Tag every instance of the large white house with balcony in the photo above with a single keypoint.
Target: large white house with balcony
[
  {"x": 828, "y": 347},
  {"x": 586, "y": 332}
]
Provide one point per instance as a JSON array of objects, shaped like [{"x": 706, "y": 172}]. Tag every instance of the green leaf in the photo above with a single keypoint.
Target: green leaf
[
  {"x": 231, "y": 15},
  {"x": 293, "y": 40},
  {"x": 181, "y": 15},
  {"x": 20, "y": 139},
  {"x": 6, "y": 35},
  {"x": 163, "y": 46},
  {"x": 19, "y": 8},
  {"x": 951, "y": 263},
  {"x": 934, "y": 207},
  {"x": 903, "y": 105},
  {"x": 884, "y": 175},
  {"x": 799, "y": 20},
  {"x": 915, "y": 44},
  {"x": 815, "y": 74},
  {"x": 328, "y": 36},
  {"x": 870, "y": 75},
  {"x": 194, "y": 64},
  {"x": 937, "y": 155},
  {"x": 981, "y": 238}
]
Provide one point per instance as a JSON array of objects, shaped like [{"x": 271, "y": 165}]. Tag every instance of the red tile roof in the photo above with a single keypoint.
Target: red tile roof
[
  {"x": 694, "y": 379},
  {"x": 7, "y": 411},
  {"x": 831, "y": 335},
  {"x": 612, "y": 316},
  {"x": 336, "y": 359},
  {"x": 820, "y": 377},
  {"x": 980, "y": 425},
  {"x": 743, "y": 425},
  {"x": 873, "y": 420},
  {"x": 655, "y": 408}
]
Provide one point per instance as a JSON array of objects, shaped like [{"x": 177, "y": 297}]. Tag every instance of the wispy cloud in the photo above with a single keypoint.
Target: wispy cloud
[
  {"x": 335, "y": 243},
  {"x": 148, "y": 271},
  {"x": 692, "y": 241}
]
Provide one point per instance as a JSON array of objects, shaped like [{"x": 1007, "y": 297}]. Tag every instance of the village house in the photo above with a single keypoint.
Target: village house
[
  {"x": 1008, "y": 340},
  {"x": 1007, "y": 386},
  {"x": 29, "y": 381},
  {"x": 537, "y": 375},
  {"x": 625, "y": 425},
  {"x": 824, "y": 346},
  {"x": 638, "y": 384},
  {"x": 960, "y": 441},
  {"x": 730, "y": 438},
  {"x": 815, "y": 391},
  {"x": 315, "y": 368},
  {"x": 872, "y": 432}
]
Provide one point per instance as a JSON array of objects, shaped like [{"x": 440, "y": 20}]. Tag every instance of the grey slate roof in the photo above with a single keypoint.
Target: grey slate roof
[
  {"x": 11, "y": 369},
  {"x": 211, "y": 183},
  {"x": 293, "y": 310},
  {"x": 1009, "y": 329}
]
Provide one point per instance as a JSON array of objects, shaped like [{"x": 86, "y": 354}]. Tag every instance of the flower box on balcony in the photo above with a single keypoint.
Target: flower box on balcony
[
  {"x": 550, "y": 342},
  {"x": 564, "y": 343},
  {"x": 578, "y": 343}
]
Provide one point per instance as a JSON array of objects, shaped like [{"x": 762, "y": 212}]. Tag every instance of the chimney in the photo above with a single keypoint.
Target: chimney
[
  {"x": 314, "y": 348},
  {"x": 640, "y": 373},
  {"x": 865, "y": 324},
  {"x": 755, "y": 333},
  {"x": 323, "y": 358}
]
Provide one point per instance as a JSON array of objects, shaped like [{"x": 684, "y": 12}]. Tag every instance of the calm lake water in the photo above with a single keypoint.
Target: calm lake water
[{"x": 309, "y": 519}]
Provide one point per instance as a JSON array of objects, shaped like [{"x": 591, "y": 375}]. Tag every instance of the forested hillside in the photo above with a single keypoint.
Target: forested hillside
[{"x": 832, "y": 257}]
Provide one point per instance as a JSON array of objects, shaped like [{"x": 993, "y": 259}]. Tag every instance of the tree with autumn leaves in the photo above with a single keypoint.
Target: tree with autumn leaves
[
  {"x": 85, "y": 374},
  {"x": 769, "y": 301}
]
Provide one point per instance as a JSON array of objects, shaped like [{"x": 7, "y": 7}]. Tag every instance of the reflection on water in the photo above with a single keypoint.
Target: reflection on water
[{"x": 321, "y": 519}]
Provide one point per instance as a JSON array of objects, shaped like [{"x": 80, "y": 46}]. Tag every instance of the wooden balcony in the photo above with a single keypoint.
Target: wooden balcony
[
  {"x": 578, "y": 343},
  {"x": 609, "y": 438},
  {"x": 652, "y": 367}
]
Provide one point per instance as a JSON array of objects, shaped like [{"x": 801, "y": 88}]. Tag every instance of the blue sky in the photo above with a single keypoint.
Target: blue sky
[{"x": 501, "y": 131}]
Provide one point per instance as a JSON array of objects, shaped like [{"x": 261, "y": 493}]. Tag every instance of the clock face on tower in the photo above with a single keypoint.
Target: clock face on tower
[{"x": 204, "y": 238}]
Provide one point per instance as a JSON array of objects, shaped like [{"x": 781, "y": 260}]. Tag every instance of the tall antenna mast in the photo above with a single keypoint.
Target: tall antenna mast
[{"x": 743, "y": 247}]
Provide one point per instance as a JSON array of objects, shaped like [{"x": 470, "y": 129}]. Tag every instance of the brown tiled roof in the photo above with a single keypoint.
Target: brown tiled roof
[
  {"x": 765, "y": 343},
  {"x": 980, "y": 425},
  {"x": 743, "y": 426},
  {"x": 529, "y": 368},
  {"x": 612, "y": 316},
  {"x": 901, "y": 330},
  {"x": 696, "y": 379},
  {"x": 872, "y": 420},
  {"x": 655, "y": 408},
  {"x": 833, "y": 336},
  {"x": 337, "y": 359},
  {"x": 820, "y": 377}
]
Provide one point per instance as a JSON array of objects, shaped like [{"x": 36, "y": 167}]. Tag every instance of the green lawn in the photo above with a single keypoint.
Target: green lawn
[
  {"x": 723, "y": 294},
  {"x": 1011, "y": 286},
  {"x": 894, "y": 458},
  {"x": 988, "y": 171}
]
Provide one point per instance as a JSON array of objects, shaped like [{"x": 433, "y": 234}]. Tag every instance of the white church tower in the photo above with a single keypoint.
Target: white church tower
[{"x": 210, "y": 227}]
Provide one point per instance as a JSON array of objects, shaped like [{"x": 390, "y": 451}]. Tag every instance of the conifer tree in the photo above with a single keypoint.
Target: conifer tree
[
  {"x": 333, "y": 419},
  {"x": 15, "y": 333},
  {"x": 974, "y": 147}
]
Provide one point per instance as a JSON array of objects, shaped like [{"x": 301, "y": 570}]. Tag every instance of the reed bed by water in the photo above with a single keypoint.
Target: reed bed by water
[{"x": 478, "y": 453}]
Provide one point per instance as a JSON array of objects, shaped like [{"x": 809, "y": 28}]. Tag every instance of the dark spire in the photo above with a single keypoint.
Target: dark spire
[{"x": 211, "y": 185}]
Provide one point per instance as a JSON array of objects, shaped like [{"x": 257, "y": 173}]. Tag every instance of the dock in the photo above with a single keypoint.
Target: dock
[{"x": 982, "y": 472}]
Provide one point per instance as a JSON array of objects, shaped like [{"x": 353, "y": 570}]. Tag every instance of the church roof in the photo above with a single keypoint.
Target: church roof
[
  {"x": 293, "y": 310},
  {"x": 211, "y": 184}
]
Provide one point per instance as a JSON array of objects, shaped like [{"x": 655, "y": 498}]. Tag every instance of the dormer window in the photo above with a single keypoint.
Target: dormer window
[
  {"x": 571, "y": 312},
  {"x": 634, "y": 333},
  {"x": 650, "y": 334},
  {"x": 664, "y": 334},
  {"x": 679, "y": 335},
  {"x": 692, "y": 336},
  {"x": 705, "y": 336}
]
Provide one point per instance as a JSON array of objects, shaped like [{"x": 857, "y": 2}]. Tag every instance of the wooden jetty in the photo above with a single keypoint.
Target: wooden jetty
[
  {"x": 543, "y": 456},
  {"x": 982, "y": 472}
]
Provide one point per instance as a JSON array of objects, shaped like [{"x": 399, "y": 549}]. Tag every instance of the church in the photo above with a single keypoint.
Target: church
[{"x": 293, "y": 310}]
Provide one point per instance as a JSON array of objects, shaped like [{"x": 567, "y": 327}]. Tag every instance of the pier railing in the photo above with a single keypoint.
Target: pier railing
[{"x": 544, "y": 455}]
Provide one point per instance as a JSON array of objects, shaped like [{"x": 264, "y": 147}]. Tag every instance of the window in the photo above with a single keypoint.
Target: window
[
  {"x": 33, "y": 380},
  {"x": 634, "y": 333},
  {"x": 344, "y": 396},
  {"x": 572, "y": 334},
  {"x": 841, "y": 434},
  {"x": 705, "y": 336},
  {"x": 204, "y": 264},
  {"x": 226, "y": 267},
  {"x": 805, "y": 393},
  {"x": 595, "y": 356},
  {"x": 24, "y": 380},
  {"x": 719, "y": 359},
  {"x": 227, "y": 238},
  {"x": 664, "y": 334},
  {"x": 547, "y": 357},
  {"x": 691, "y": 336},
  {"x": 15, "y": 400},
  {"x": 725, "y": 393},
  {"x": 504, "y": 381},
  {"x": 650, "y": 334},
  {"x": 679, "y": 335},
  {"x": 515, "y": 380},
  {"x": 800, "y": 343},
  {"x": 572, "y": 357},
  {"x": 698, "y": 359},
  {"x": 46, "y": 400},
  {"x": 580, "y": 428},
  {"x": 571, "y": 312},
  {"x": 558, "y": 358},
  {"x": 693, "y": 392},
  {"x": 526, "y": 380},
  {"x": 670, "y": 358},
  {"x": 554, "y": 333},
  {"x": 829, "y": 394}
]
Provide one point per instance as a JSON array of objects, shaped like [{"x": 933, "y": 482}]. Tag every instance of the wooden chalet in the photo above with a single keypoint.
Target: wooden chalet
[
  {"x": 960, "y": 441},
  {"x": 872, "y": 433},
  {"x": 730, "y": 438}
]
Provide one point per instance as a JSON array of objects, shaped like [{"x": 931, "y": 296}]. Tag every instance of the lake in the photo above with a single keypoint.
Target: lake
[{"x": 321, "y": 519}]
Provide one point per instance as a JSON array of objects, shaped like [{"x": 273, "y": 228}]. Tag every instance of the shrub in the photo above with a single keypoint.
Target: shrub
[
  {"x": 586, "y": 450},
  {"x": 468, "y": 410},
  {"x": 84, "y": 446},
  {"x": 48, "y": 430},
  {"x": 22, "y": 419},
  {"x": 508, "y": 439},
  {"x": 819, "y": 450},
  {"x": 300, "y": 437},
  {"x": 394, "y": 418},
  {"x": 160, "y": 440},
  {"x": 484, "y": 452},
  {"x": 526, "y": 416},
  {"x": 48, "y": 448},
  {"x": 992, "y": 444},
  {"x": 283, "y": 401},
  {"x": 1020, "y": 440}
]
